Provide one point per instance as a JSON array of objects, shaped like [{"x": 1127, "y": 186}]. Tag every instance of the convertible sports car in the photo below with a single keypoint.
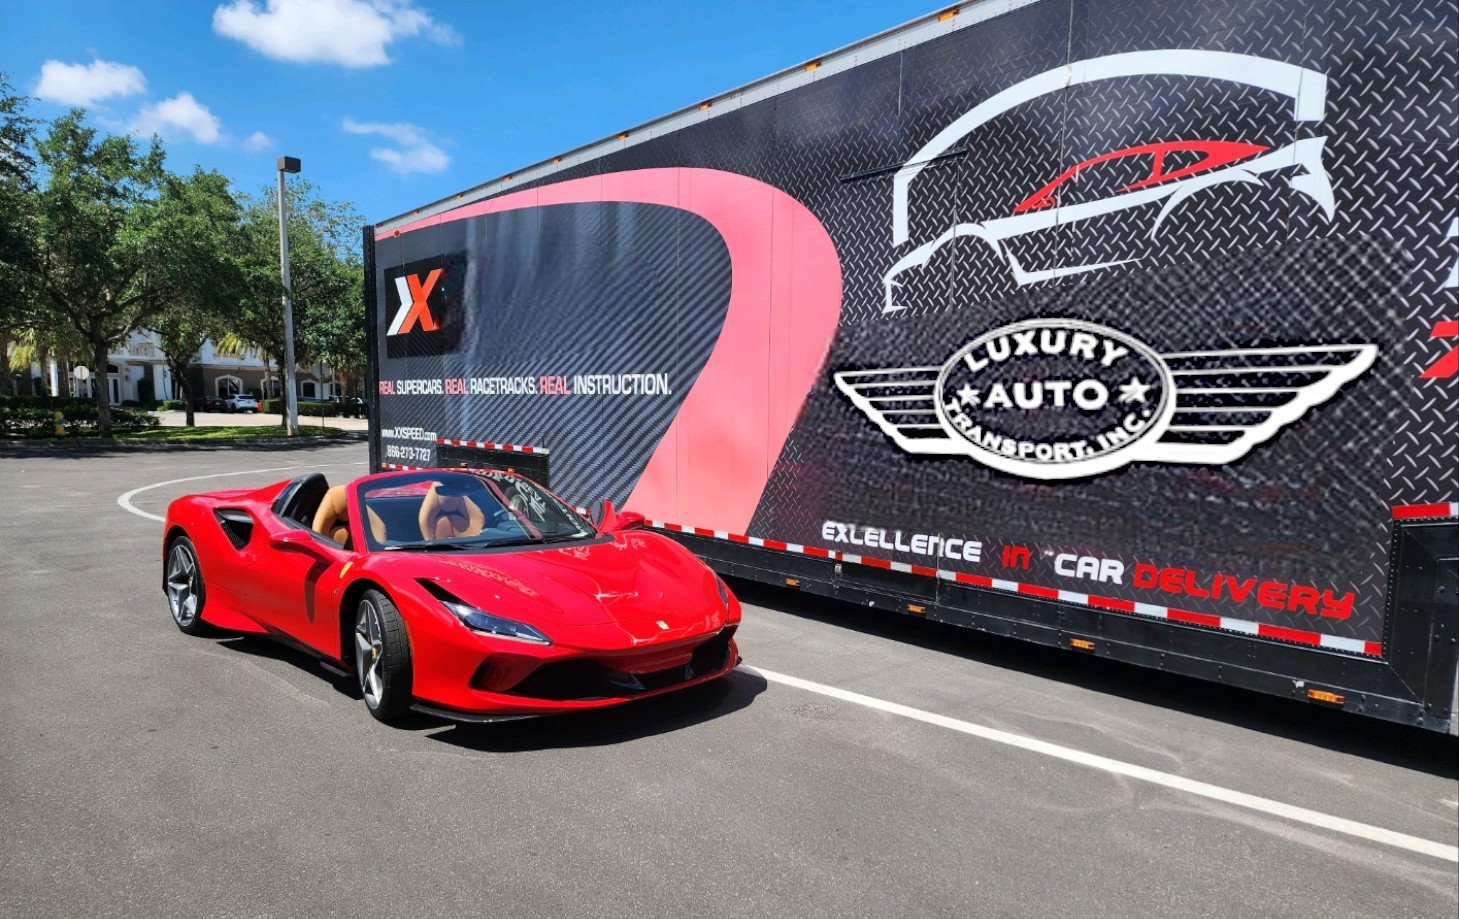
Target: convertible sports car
[{"x": 469, "y": 594}]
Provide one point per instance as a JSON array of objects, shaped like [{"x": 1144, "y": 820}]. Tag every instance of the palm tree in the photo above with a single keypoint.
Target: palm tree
[{"x": 40, "y": 346}]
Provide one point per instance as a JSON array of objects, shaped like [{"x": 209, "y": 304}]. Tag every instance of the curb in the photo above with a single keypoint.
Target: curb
[{"x": 97, "y": 446}]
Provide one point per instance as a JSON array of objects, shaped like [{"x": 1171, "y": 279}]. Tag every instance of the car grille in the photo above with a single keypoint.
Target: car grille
[{"x": 585, "y": 679}]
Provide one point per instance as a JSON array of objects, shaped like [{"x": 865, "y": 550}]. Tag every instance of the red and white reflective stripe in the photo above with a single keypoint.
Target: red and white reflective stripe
[
  {"x": 1172, "y": 614},
  {"x": 1106, "y": 604},
  {"x": 1415, "y": 511},
  {"x": 483, "y": 445},
  {"x": 400, "y": 468}
]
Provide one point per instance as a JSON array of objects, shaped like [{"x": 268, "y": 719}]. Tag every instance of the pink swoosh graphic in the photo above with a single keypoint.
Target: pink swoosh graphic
[{"x": 712, "y": 464}]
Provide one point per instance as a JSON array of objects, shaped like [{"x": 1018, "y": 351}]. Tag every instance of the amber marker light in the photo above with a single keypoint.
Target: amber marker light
[
  {"x": 945, "y": 15},
  {"x": 1081, "y": 644},
  {"x": 914, "y": 608},
  {"x": 812, "y": 66},
  {"x": 704, "y": 106},
  {"x": 792, "y": 582},
  {"x": 1322, "y": 695}
]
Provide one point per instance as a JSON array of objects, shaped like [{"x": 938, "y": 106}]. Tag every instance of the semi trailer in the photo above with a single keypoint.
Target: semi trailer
[{"x": 1120, "y": 326}]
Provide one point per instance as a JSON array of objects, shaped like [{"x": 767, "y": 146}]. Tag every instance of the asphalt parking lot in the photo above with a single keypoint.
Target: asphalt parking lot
[{"x": 143, "y": 772}]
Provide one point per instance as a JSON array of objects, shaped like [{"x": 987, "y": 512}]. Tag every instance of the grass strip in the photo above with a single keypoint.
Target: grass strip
[{"x": 201, "y": 434}]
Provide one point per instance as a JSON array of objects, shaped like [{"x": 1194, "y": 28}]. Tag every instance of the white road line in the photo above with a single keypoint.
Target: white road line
[
  {"x": 126, "y": 500},
  {"x": 1068, "y": 754},
  {"x": 1215, "y": 792}
]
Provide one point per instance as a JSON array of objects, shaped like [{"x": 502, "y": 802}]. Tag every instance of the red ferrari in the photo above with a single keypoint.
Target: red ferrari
[{"x": 473, "y": 595}]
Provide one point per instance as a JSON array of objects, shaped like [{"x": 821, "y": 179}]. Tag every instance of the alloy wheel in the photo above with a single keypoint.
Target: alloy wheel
[
  {"x": 182, "y": 585},
  {"x": 369, "y": 651}
]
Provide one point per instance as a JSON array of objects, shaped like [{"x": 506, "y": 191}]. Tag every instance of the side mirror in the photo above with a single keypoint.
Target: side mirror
[
  {"x": 604, "y": 517},
  {"x": 299, "y": 540},
  {"x": 609, "y": 520},
  {"x": 630, "y": 520}
]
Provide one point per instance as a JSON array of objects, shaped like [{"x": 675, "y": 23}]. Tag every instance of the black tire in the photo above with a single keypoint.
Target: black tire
[
  {"x": 382, "y": 656},
  {"x": 182, "y": 581}
]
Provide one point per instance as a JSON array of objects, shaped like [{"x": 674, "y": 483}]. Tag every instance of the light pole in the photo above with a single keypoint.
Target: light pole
[{"x": 291, "y": 402}]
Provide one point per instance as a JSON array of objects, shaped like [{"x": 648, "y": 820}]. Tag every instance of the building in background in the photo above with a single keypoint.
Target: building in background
[{"x": 138, "y": 372}]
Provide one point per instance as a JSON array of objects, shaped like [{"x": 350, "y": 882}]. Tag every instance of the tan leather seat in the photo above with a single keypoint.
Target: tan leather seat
[
  {"x": 332, "y": 520},
  {"x": 443, "y": 517},
  {"x": 377, "y": 525}
]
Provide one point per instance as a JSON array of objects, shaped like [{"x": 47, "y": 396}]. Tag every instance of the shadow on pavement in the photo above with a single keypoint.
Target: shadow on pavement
[
  {"x": 619, "y": 724},
  {"x": 258, "y": 646},
  {"x": 1383, "y": 741},
  {"x": 601, "y": 727}
]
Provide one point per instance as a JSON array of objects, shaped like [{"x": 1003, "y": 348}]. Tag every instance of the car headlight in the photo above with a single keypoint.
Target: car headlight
[{"x": 481, "y": 621}]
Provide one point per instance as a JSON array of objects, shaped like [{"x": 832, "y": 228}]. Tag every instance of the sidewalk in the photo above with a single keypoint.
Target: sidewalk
[{"x": 246, "y": 419}]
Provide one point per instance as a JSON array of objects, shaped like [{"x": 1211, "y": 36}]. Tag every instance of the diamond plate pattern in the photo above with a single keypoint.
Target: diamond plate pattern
[{"x": 1242, "y": 267}]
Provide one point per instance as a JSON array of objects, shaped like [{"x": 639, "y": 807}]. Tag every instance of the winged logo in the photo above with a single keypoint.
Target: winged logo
[{"x": 1056, "y": 399}]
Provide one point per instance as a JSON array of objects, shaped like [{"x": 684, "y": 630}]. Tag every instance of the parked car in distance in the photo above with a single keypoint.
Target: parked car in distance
[
  {"x": 240, "y": 402},
  {"x": 335, "y": 406},
  {"x": 351, "y": 406},
  {"x": 345, "y": 406},
  {"x": 208, "y": 404}
]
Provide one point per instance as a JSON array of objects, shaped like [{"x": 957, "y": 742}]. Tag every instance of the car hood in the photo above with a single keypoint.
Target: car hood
[{"x": 633, "y": 576}]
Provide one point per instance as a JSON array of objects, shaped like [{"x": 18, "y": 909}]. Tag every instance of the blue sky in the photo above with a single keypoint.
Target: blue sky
[{"x": 394, "y": 103}]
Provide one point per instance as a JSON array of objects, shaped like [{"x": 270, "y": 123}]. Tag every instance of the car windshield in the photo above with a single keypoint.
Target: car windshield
[{"x": 452, "y": 511}]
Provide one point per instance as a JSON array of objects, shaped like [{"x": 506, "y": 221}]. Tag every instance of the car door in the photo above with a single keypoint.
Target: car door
[{"x": 295, "y": 575}]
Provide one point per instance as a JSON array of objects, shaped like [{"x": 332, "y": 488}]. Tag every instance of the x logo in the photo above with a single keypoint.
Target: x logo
[{"x": 413, "y": 308}]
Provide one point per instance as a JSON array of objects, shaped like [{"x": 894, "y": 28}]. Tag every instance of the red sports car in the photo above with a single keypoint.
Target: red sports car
[{"x": 474, "y": 595}]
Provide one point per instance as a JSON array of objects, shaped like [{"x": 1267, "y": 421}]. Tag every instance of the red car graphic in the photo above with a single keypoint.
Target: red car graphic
[{"x": 1213, "y": 155}]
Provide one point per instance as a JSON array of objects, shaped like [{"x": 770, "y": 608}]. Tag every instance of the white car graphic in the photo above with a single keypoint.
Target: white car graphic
[{"x": 1207, "y": 163}]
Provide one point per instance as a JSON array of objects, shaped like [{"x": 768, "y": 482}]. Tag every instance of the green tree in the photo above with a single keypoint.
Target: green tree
[
  {"x": 325, "y": 277},
  {"x": 17, "y": 224},
  {"x": 40, "y": 344},
  {"x": 203, "y": 275},
  {"x": 102, "y": 263},
  {"x": 335, "y": 328},
  {"x": 125, "y": 245}
]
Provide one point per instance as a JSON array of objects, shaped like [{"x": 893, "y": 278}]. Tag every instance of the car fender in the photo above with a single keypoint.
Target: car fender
[
  {"x": 399, "y": 579},
  {"x": 193, "y": 516}
]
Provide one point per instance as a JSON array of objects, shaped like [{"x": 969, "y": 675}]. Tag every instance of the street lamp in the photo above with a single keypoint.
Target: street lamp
[{"x": 291, "y": 402}]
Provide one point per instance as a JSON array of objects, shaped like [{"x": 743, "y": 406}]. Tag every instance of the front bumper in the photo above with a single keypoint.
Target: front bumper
[{"x": 473, "y": 677}]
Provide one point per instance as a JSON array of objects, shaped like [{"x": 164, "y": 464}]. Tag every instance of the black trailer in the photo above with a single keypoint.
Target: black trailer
[{"x": 1116, "y": 325}]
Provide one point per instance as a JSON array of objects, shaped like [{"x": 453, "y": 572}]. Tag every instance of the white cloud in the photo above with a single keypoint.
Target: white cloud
[
  {"x": 413, "y": 154},
  {"x": 352, "y": 33},
  {"x": 257, "y": 141},
  {"x": 87, "y": 84},
  {"x": 180, "y": 116}
]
